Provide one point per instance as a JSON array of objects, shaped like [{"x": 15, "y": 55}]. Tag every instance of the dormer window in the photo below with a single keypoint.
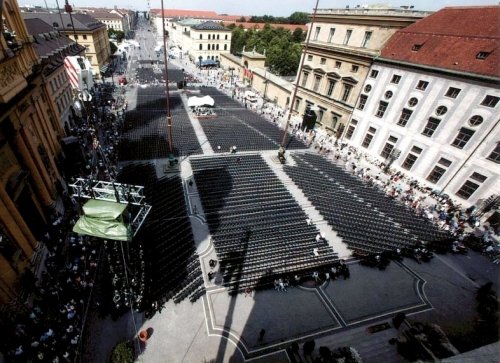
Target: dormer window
[
  {"x": 482, "y": 55},
  {"x": 55, "y": 25},
  {"x": 416, "y": 47}
]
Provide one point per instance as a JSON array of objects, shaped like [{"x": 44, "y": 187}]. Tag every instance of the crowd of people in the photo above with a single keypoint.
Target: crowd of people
[{"x": 47, "y": 322}]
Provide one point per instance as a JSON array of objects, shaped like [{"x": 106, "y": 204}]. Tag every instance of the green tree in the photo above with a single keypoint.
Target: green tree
[
  {"x": 298, "y": 35},
  {"x": 298, "y": 18},
  {"x": 238, "y": 40},
  {"x": 242, "y": 19},
  {"x": 116, "y": 34},
  {"x": 113, "y": 47}
]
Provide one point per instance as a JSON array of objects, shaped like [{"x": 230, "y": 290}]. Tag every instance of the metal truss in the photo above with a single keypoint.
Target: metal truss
[
  {"x": 108, "y": 191},
  {"x": 116, "y": 193}
]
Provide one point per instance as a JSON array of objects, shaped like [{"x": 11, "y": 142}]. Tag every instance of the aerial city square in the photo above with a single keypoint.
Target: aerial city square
[{"x": 272, "y": 182}]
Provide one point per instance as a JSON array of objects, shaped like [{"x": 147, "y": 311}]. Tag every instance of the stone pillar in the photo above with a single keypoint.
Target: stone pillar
[{"x": 39, "y": 175}]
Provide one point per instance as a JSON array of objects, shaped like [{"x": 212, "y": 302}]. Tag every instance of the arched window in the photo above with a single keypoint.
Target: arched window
[
  {"x": 208, "y": 36},
  {"x": 441, "y": 110},
  {"x": 412, "y": 102},
  {"x": 475, "y": 120},
  {"x": 201, "y": 46},
  {"x": 225, "y": 46},
  {"x": 217, "y": 47}
]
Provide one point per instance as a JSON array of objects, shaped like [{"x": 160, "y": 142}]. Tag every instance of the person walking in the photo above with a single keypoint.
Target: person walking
[{"x": 261, "y": 334}]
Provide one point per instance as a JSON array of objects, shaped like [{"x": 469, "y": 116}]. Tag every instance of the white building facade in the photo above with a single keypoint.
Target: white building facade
[{"x": 440, "y": 126}]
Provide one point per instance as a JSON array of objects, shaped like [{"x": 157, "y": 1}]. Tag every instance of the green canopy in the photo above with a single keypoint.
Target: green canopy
[{"x": 104, "y": 220}]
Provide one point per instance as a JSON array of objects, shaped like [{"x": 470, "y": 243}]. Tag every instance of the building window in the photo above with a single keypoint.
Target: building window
[
  {"x": 217, "y": 47},
  {"x": 309, "y": 57},
  {"x": 431, "y": 126},
  {"x": 338, "y": 64},
  {"x": 225, "y": 37},
  {"x": 347, "y": 92},
  {"x": 469, "y": 187},
  {"x": 482, "y": 55},
  {"x": 452, "y": 92},
  {"x": 209, "y": 36},
  {"x": 321, "y": 113},
  {"x": 354, "y": 68},
  {"x": 382, "y": 107},
  {"x": 76, "y": 37},
  {"x": 388, "y": 95},
  {"x": 304, "y": 79},
  {"x": 362, "y": 102},
  {"x": 463, "y": 137},
  {"x": 322, "y": 61},
  {"x": 316, "y": 34},
  {"x": 217, "y": 36},
  {"x": 373, "y": 73},
  {"x": 368, "y": 137},
  {"x": 475, "y": 120},
  {"x": 411, "y": 158},
  {"x": 495, "y": 154},
  {"x": 436, "y": 174},
  {"x": 348, "y": 34},
  {"x": 422, "y": 85},
  {"x": 416, "y": 47},
  {"x": 404, "y": 117},
  {"x": 441, "y": 110},
  {"x": 350, "y": 129},
  {"x": 412, "y": 102},
  {"x": 317, "y": 81},
  {"x": 366, "y": 39},
  {"x": 368, "y": 88},
  {"x": 331, "y": 87},
  {"x": 201, "y": 36},
  {"x": 388, "y": 147},
  {"x": 225, "y": 46},
  {"x": 297, "y": 104},
  {"x": 490, "y": 101},
  {"x": 201, "y": 46},
  {"x": 331, "y": 34},
  {"x": 395, "y": 79},
  {"x": 335, "y": 119},
  {"x": 84, "y": 37}
]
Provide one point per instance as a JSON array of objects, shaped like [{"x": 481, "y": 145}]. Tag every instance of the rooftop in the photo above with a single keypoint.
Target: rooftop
[
  {"x": 83, "y": 22},
  {"x": 209, "y": 25},
  {"x": 197, "y": 14},
  {"x": 248, "y": 25},
  {"x": 464, "y": 39}
]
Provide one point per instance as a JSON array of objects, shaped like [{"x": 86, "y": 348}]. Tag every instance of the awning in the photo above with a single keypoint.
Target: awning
[
  {"x": 200, "y": 101},
  {"x": 104, "y": 220}
]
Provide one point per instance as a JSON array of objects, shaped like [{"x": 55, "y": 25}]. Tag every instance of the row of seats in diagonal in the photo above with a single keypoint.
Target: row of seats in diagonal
[
  {"x": 279, "y": 267},
  {"x": 254, "y": 263},
  {"x": 276, "y": 217},
  {"x": 397, "y": 211},
  {"x": 260, "y": 250},
  {"x": 267, "y": 232},
  {"x": 346, "y": 216}
]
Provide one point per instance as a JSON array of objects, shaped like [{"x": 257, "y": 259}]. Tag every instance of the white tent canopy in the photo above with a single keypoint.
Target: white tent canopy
[{"x": 200, "y": 101}]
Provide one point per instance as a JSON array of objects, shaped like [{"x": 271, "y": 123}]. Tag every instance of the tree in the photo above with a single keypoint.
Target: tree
[
  {"x": 242, "y": 19},
  {"x": 298, "y": 35},
  {"x": 299, "y": 18},
  {"x": 113, "y": 47},
  {"x": 116, "y": 34}
]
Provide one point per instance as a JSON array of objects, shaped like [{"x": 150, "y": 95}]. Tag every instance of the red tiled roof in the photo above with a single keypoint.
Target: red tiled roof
[
  {"x": 198, "y": 14},
  {"x": 451, "y": 39},
  {"x": 247, "y": 25}
]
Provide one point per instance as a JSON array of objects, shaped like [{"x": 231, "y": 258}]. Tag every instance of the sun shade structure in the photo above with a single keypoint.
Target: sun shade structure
[
  {"x": 104, "y": 220},
  {"x": 201, "y": 101}
]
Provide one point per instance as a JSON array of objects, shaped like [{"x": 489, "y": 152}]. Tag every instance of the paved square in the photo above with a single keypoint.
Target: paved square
[{"x": 371, "y": 292}]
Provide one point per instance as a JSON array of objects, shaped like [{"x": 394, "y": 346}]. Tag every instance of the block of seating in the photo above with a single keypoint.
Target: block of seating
[
  {"x": 256, "y": 225},
  {"x": 172, "y": 262}
]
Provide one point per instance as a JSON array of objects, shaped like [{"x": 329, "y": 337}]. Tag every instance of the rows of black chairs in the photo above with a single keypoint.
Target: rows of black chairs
[
  {"x": 236, "y": 126},
  {"x": 167, "y": 239},
  {"x": 258, "y": 230},
  {"x": 367, "y": 220},
  {"x": 145, "y": 129}
]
